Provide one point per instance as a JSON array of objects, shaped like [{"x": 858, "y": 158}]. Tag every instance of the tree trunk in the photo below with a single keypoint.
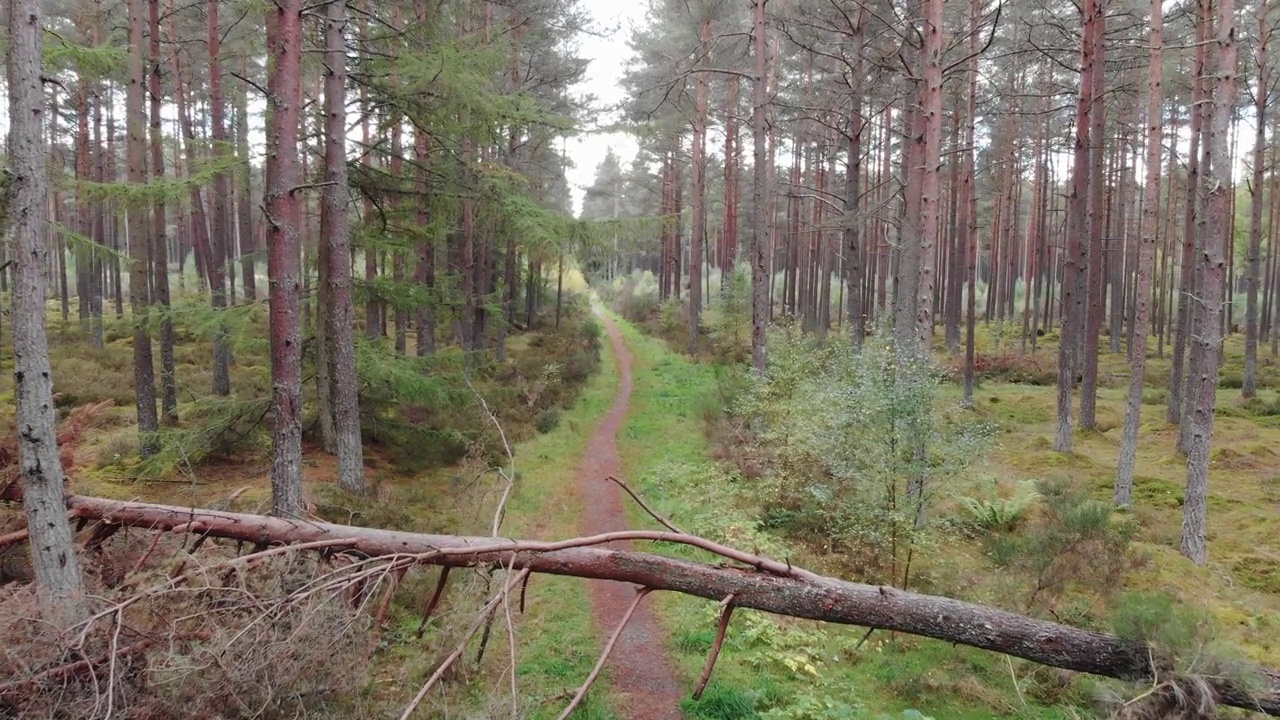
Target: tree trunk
[
  {"x": 53, "y": 555},
  {"x": 218, "y": 268},
  {"x": 768, "y": 585},
  {"x": 1186, "y": 279},
  {"x": 341, "y": 315},
  {"x": 930, "y": 154},
  {"x": 1096, "y": 282},
  {"x": 698, "y": 233},
  {"x": 244, "y": 215},
  {"x": 759, "y": 229},
  {"x": 1249, "y": 388},
  {"x": 284, "y": 98},
  {"x": 1123, "y": 495},
  {"x": 139, "y": 241},
  {"x": 1075, "y": 258},
  {"x": 159, "y": 233},
  {"x": 729, "y": 254},
  {"x": 1204, "y": 373},
  {"x": 852, "y": 198},
  {"x": 968, "y": 208}
]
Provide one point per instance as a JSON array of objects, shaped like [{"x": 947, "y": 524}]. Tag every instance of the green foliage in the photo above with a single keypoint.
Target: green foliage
[
  {"x": 548, "y": 420},
  {"x": 1079, "y": 549},
  {"x": 999, "y": 514},
  {"x": 213, "y": 427},
  {"x": 849, "y": 433},
  {"x": 721, "y": 702},
  {"x": 1158, "y": 619},
  {"x": 634, "y": 296},
  {"x": 728, "y": 319}
]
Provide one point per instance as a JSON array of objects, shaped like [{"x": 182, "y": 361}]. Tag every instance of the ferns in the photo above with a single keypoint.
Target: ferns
[{"x": 999, "y": 514}]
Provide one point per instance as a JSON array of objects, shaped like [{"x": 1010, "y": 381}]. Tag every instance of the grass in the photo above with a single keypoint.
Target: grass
[{"x": 672, "y": 397}]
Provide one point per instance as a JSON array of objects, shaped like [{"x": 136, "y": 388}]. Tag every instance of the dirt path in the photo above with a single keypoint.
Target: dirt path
[{"x": 644, "y": 683}]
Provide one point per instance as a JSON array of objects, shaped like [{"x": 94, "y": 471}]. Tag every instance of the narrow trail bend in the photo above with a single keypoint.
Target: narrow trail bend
[{"x": 644, "y": 684}]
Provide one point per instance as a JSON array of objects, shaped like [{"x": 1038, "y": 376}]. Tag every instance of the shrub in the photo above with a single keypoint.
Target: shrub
[
  {"x": 548, "y": 420},
  {"x": 1077, "y": 547},
  {"x": 857, "y": 445}
]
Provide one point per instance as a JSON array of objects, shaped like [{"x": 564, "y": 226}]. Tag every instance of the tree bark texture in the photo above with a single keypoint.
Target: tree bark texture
[
  {"x": 284, "y": 26},
  {"x": 140, "y": 226},
  {"x": 57, "y": 570},
  {"x": 759, "y": 224},
  {"x": 340, "y": 316},
  {"x": 1123, "y": 494},
  {"x": 1208, "y": 338}
]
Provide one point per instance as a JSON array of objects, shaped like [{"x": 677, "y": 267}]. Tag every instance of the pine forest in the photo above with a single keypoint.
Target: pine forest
[{"x": 667, "y": 360}]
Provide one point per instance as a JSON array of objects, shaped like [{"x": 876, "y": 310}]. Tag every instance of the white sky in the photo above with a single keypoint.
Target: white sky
[{"x": 608, "y": 54}]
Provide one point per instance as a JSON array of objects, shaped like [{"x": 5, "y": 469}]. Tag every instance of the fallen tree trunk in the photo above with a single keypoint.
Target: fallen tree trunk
[{"x": 766, "y": 585}]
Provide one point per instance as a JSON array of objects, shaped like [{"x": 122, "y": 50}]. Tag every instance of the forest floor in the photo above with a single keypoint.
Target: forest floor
[{"x": 649, "y": 416}]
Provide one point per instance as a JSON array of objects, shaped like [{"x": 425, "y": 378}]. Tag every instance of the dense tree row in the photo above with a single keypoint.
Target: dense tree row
[
  {"x": 1060, "y": 171},
  {"x": 412, "y": 140}
]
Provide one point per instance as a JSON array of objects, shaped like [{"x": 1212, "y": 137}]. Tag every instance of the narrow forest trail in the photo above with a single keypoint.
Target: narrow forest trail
[{"x": 645, "y": 686}]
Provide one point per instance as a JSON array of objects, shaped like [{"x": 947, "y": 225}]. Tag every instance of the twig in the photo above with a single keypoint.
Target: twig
[
  {"x": 70, "y": 670},
  {"x": 760, "y": 563},
  {"x": 177, "y": 578},
  {"x": 652, "y": 513},
  {"x": 511, "y": 645},
  {"x": 1014, "y": 676},
  {"x": 155, "y": 540},
  {"x": 604, "y": 654},
  {"x": 509, "y": 477},
  {"x": 864, "y": 639},
  {"x": 13, "y": 538},
  {"x": 726, "y": 611},
  {"x": 448, "y": 662},
  {"x": 435, "y": 599}
]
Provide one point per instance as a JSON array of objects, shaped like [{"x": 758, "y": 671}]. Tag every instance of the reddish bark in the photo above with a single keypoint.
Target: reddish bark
[{"x": 284, "y": 35}]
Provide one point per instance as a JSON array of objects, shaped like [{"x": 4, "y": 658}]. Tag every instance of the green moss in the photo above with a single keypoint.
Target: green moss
[{"x": 1258, "y": 572}]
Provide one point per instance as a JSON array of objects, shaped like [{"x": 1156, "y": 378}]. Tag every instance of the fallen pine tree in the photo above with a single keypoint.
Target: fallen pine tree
[{"x": 749, "y": 582}]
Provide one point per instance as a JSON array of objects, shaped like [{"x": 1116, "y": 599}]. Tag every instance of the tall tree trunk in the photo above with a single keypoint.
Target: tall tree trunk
[
  {"x": 139, "y": 233},
  {"x": 57, "y": 569},
  {"x": 698, "y": 234},
  {"x": 852, "y": 198},
  {"x": 1186, "y": 279},
  {"x": 759, "y": 229},
  {"x": 930, "y": 156},
  {"x": 341, "y": 315},
  {"x": 244, "y": 214},
  {"x": 968, "y": 206},
  {"x": 1249, "y": 388},
  {"x": 1075, "y": 258},
  {"x": 729, "y": 256},
  {"x": 218, "y": 267},
  {"x": 425, "y": 273},
  {"x": 1123, "y": 495},
  {"x": 284, "y": 100},
  {"x": 1096, "y": 283},
  {"x": 1209, "y": 331},
  {"x": 159, "y": 233}
]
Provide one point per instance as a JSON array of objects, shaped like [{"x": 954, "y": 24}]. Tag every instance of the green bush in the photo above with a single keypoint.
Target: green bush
[
  {"x": 858, "y": 443},
  {"x": 1077, "y": 548},
  {"x": 548, "y": 420}
]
